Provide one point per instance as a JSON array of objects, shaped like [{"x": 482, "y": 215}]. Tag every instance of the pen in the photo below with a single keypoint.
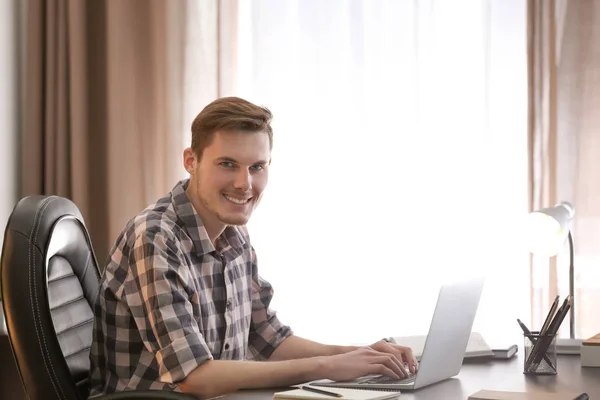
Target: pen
[
  {"x": 320, "y": 391},
  {"x": 582, "y": 396},
  {"x": 550, "y": 315}
]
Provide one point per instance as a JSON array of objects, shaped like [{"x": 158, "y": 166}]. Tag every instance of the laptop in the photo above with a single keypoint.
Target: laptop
[{"x": 445, "y": 344}]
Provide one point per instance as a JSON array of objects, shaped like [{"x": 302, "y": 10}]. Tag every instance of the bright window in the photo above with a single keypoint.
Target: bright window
[{"x": 400, "y": 160}]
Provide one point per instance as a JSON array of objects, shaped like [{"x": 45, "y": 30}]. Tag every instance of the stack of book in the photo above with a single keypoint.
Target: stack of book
[{"x": 590, "y": 352}]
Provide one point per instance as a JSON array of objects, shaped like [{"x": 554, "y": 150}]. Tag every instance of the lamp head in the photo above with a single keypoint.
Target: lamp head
[{"x": 548, "y": 229}]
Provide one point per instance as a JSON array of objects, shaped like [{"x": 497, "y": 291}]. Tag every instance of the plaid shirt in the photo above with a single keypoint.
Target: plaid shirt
[{"x": 169, "y": 301}]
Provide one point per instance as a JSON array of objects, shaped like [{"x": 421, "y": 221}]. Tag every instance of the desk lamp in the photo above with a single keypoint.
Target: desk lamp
[{"x": 550, "y": 227}]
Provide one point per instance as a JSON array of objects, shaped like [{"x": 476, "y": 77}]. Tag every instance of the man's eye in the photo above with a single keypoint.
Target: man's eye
[
  {"x": 227, "y": 164},
  {"x": 257, "y": 167}
]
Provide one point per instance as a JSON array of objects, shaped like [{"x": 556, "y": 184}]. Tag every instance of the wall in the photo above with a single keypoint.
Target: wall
[
  {"x": 8, "y": 109},
  {"x": 10, "y": 387}
]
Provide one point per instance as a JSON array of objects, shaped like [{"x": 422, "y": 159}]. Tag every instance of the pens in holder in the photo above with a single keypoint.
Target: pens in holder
[
  {"x": 320, "y": 391},
  {"x": 545, "y": 340},
  {"x": 531, "y": 337}
]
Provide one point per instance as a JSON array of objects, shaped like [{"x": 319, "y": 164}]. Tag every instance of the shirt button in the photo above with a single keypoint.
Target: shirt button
[
  {"x": 226, "y": 346},
  {"x": 229, "y": 304}
]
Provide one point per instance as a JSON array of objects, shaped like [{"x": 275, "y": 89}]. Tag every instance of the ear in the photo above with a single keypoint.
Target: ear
[{"x": 190, "y": 162}]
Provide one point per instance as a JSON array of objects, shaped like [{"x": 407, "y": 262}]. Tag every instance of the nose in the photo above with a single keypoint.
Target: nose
[{"x": 243, "y": 181}]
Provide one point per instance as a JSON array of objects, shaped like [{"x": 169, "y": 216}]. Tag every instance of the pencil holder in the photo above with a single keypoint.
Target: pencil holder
[{"x": 540, "y": 354}]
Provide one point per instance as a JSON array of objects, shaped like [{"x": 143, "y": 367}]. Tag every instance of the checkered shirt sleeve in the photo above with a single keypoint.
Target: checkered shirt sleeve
[{"x": 158, "y": 291}]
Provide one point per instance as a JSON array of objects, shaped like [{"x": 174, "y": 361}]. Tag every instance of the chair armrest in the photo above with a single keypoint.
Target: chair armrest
[{"x": 146, "y": 394}]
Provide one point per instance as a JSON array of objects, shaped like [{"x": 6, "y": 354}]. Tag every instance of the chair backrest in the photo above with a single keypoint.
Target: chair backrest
[{"x": 49, "y": 282}]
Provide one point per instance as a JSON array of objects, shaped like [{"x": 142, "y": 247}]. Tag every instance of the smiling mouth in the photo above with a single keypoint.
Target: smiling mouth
[{"x": 239, "y": 202}]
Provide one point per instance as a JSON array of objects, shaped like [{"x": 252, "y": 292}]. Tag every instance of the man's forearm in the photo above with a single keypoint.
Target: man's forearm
[
  {"x": 218, "y": 377},
  {"x": 295, "y": 347}
]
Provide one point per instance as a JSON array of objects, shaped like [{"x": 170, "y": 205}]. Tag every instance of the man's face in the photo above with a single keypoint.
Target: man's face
[{"x": 230, "y": 177}]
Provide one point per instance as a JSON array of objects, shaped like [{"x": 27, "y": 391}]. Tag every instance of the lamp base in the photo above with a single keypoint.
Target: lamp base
[{"x": 568, "y": 346}]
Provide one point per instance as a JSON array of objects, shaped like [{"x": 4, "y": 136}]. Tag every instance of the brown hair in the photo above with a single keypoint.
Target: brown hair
[{"x": 229, "y": 113}]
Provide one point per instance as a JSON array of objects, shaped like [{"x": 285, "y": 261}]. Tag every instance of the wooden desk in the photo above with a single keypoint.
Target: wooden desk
[{"x": 492, "y": 375}]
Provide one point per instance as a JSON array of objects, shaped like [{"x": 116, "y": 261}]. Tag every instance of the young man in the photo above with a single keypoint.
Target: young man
[{"x": 181, "y": 304}]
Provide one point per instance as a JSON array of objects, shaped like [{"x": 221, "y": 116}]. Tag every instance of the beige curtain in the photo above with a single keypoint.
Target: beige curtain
[
  {"x": 211, "y": 55},
  {"x": 104, "y": 99},
  {"x": 564, "y": 139}
]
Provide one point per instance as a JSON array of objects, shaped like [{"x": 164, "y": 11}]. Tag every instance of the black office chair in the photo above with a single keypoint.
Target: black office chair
[{"x": 50, "y": 279}]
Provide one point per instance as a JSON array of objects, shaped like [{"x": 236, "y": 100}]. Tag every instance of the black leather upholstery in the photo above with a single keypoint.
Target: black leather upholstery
[{"x": 50, "y": 279}]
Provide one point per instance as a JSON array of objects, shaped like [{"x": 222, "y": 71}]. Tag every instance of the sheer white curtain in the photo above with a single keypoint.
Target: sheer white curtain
[{"x": 400, "y": 160}]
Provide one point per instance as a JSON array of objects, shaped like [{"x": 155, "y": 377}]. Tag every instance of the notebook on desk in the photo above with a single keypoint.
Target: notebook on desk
[
  {"x": 502, "y": 395},
  {"x": 445, "y": 345},
  {"x": 477, "y": 347},
  {"x": 347, "y": 394}
]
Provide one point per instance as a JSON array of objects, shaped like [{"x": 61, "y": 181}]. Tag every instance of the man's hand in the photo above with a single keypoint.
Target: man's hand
[
  {"x": 364, "y": 361},
  {"x": 403, "y": 354}
]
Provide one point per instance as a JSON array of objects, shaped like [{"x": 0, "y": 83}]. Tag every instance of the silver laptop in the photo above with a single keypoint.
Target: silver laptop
[{"x": 445, "y": 345}]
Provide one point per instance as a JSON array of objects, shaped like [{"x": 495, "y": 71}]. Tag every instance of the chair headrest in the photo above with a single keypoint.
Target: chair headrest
[{"x": 46, "y": 211}]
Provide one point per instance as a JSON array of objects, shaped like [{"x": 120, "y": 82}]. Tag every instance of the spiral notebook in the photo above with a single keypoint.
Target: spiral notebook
[
  {"x": 347, "y": 394},
  {"x": 501, "y": 395}
]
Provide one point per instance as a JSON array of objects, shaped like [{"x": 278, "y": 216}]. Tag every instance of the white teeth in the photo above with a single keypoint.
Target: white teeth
[{"x": 236, "y": 201}]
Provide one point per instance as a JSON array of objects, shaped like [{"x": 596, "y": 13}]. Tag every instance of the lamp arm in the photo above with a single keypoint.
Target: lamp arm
[{"x": 571, "y": 288}]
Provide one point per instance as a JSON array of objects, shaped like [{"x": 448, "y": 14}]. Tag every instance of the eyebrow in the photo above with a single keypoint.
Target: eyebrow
[{"x": 229, "y": 159}]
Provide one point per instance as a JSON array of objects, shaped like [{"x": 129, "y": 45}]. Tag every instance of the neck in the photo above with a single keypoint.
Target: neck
[{"x": 214, "y": 227}]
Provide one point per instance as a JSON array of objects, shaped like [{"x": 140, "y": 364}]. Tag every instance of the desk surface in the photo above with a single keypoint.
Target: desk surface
[{"x": 491, "y": 375}]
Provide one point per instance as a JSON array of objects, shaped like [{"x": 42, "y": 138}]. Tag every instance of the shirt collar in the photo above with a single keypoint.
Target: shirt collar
[{"x": 230, "y": 239}]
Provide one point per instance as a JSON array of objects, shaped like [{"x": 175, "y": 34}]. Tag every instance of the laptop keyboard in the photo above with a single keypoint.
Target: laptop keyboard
[{"x": 389, "y": 380}]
